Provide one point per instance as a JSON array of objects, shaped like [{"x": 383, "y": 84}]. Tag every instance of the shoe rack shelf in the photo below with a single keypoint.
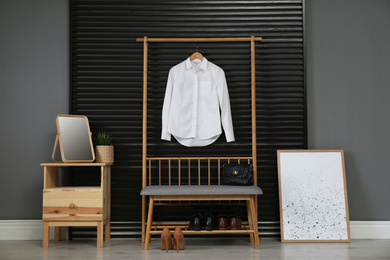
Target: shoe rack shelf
[
  {"x": 158, "y": 228},
  {"x": 243, "y": 231}
]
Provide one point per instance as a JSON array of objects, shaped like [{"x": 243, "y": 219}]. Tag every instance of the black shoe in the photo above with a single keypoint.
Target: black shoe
[
  {"x": 209, "y": 221},
  {"x": 196, "y": 222}
]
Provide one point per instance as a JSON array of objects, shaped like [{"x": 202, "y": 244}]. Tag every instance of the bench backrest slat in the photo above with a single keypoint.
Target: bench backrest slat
[{"x": 177, "y": 170}]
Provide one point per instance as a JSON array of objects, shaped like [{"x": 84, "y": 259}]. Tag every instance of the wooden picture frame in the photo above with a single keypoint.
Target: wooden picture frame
[
  {"x": 313, "y": 196},
  {"x": 75, "y": 139}
]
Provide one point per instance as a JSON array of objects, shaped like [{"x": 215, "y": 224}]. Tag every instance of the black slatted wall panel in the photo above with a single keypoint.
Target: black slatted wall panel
[{"x": 106, "y": 85}]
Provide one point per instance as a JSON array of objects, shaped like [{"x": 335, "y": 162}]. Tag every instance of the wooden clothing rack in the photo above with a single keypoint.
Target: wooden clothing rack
[{"x": 251, "y": 201}]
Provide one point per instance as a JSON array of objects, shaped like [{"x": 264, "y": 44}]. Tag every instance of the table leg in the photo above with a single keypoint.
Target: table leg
[
  {"x": 46, "y": 234},
  {"x": 107, "y": 230},
  {"x": 57, "y": 234},
  {"x": 99, "y": 225}
]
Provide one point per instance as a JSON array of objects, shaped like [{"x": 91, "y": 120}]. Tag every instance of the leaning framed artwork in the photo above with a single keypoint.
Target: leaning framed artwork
[{"x": 313, "y": 196}]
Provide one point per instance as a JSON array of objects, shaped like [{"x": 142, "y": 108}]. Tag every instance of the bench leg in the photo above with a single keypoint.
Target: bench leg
[
  {"x": 250, "y": 221},
  {"x": 150, "y": 220},
  {"x": 254, "y": 222},
  {"x": 143, "y": 228}
]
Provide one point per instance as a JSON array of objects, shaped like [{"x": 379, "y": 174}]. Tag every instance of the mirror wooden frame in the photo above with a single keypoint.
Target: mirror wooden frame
[{"x": 60, "y": 141}]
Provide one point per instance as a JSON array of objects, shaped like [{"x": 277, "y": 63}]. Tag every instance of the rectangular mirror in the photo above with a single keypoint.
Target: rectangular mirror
[{"x": 75, "y": 139}]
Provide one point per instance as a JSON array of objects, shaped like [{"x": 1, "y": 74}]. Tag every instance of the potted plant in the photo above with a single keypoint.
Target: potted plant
[{"x": 104, "y": 150}]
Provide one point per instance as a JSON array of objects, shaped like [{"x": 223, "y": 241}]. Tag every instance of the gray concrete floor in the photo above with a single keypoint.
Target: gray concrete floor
[{"x": 196, "y": 249}]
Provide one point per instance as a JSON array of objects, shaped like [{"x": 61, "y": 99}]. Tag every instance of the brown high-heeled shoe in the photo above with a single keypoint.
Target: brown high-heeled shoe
[
  {"x": 178, "y": 239},
  {"x": 166, "y": 239}
]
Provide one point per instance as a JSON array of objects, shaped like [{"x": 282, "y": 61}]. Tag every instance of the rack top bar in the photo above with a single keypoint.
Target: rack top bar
[{"x": 239, "y": 39}]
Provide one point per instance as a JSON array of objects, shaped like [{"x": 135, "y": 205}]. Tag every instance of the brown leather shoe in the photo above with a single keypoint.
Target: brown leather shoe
[
  {"x": 222, "y": 222},
  {"x": 234, "y": 222}
]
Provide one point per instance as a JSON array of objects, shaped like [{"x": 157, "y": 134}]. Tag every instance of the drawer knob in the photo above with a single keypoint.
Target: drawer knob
[{"x": 72, "y": 205}]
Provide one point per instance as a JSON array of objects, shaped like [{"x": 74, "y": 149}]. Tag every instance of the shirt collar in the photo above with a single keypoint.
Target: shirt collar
[{"x": 203, "y": 64}]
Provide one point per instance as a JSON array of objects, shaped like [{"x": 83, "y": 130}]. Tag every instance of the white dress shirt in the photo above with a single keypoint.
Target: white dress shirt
[{"x": 196, "y": 102}]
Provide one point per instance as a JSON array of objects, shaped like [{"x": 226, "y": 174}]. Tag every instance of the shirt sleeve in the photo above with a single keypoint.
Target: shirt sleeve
[
  {"x": 224, "y": 103},
  {"x": 165, "y": 135}
]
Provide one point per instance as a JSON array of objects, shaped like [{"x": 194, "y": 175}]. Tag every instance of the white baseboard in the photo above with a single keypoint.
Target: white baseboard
[
  {"x": 370, "y": 229},
  {"x": 25, "y": 230},
  {"x": 33, "y": 230}
]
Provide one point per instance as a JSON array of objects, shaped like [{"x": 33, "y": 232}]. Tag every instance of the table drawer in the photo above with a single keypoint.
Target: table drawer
[{"x": 73, "y": 203}]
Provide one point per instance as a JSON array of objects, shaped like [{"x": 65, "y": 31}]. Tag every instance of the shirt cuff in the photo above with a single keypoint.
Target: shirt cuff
[
  {"x": 165, "y": 135},
  {"x": 229, "y": 137}
]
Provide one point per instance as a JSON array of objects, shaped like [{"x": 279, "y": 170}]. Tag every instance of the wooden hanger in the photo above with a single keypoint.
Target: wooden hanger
[{"x": 196, "y": 55}]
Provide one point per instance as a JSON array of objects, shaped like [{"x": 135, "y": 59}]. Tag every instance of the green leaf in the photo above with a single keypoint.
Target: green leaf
[{"x": 104, "y": 138}]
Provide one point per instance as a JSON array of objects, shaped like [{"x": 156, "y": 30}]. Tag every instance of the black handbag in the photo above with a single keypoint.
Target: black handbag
[{"x": 237, "y": 174}]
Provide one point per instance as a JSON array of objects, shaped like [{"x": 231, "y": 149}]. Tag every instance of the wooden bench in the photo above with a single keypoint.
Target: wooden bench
[
  {"x": 192, "y": 181},
  {"x": 198, "y": 178}
]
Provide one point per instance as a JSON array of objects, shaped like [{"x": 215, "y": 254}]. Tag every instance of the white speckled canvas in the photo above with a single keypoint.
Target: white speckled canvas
[{"x": 313, "y": 196}]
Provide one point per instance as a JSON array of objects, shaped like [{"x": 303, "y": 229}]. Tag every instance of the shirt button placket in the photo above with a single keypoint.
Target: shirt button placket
[{"x": 195, "y": 105}]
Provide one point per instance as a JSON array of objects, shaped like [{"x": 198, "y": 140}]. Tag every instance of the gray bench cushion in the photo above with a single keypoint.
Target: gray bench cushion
[{"x": 201, "y": 190}]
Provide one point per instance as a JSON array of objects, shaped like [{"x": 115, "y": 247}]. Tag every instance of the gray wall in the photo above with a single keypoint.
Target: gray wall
[
  {"x": 348, "y": 79},
  {"x": 348, "y": 65},
  {"x": 33, "y": 91}
]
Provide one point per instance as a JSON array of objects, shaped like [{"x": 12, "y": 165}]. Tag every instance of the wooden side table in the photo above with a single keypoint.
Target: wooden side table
[{"x": 76, "y": 206}]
